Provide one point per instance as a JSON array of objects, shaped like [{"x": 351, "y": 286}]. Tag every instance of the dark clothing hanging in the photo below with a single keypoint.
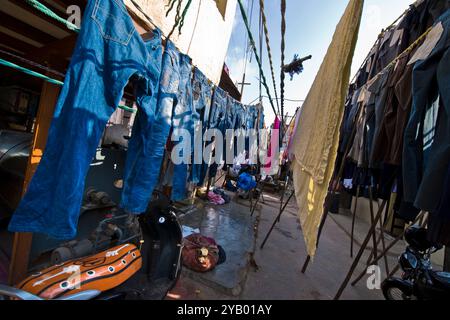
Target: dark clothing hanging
[
  {"x": 424, "y": 182},
  {"x": 388, "y": 146},
  {"x": 379, "y": 90},
  {"x": 439, "y": 224}
]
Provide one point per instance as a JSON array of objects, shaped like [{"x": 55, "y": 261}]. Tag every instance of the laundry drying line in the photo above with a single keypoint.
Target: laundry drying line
[
  {"x": 258, "y": 59},
  {"x": 45, "y": 78},
  {"x": 269, "y": 52},
  {"x": 283, "y": 49},
  {"x": 179, "y": 22}
]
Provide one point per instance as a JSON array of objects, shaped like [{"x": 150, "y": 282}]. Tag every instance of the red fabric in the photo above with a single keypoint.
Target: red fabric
[{"x": 193, "y": 257}]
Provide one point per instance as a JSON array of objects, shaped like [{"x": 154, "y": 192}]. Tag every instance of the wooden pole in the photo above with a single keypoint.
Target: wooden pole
[
  {"x": 22, "y": 241},
  {"x": 360, "y": 253},
  {"x": 386, "y": 251},
  {"x": 352, "y": 236}
]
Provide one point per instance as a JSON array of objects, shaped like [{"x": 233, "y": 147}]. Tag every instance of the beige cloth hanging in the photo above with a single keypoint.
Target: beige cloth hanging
[{"x": 317, "y": 138}]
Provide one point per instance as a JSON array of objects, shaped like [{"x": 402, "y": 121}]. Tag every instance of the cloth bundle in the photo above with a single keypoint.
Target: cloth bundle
[{"x": 200, "y": 253}]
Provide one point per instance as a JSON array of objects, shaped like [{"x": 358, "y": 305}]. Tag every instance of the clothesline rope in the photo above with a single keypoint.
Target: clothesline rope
[
  {"x": 406, "y": 51},
  {"x": 44, "y": 77},
  {"x": 382, "y": 33},
  {"x": 269, "y": 51},
  {"x": 283, "y": 49},
  {"x": 30, "y": 72},
  {"x": 258, "y": 59},
  {"x": 42, "y": 8},
  {"x": 45, "y": 10},
  {"x": 32, "y": 63}
]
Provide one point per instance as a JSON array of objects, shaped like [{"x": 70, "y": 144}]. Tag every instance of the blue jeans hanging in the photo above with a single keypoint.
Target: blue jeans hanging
[{"x": 108, "y": 52}]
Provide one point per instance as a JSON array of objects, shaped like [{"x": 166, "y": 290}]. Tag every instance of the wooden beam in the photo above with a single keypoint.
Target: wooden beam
[
  {"x": 15, "y": 43},
  {"x": 57, "y": 53},
  {"x": 22, "y": 241},
  {"x": 22, "y": 4},
  {"x": 25, "y": 29}
]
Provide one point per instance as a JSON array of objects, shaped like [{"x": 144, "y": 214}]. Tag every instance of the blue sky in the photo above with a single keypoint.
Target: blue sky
[{"x": 310, "y": 28}]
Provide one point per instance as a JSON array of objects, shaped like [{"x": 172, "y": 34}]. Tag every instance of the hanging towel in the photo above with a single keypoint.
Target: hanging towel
[{"x": 317, "y": 138}]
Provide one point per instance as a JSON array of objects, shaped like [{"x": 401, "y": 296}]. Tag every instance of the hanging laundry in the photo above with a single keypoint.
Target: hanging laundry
[
  {"x": 147, "y": 145},
  {"x": 388, "y": 145},
  {"x": 271, "y": 167},
  {"x": 93, "y": 88},
  {"x": 202, "y": 97},
  {"x": 317, "y": 137},
  {"x": 439, "y": 224},
  {"x": 183, "y": 120},
  {"x": 424, "y": 182},
  {"x": 218, "y": 120}
]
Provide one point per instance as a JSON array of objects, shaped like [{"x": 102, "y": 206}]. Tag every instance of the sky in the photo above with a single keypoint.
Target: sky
[{"x": 310, "y": 28}]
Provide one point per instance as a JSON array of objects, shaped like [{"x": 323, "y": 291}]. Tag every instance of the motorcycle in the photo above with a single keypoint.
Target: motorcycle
[
  {"x": 126, "y": 258},
  {"x": 419, "y": 281}
]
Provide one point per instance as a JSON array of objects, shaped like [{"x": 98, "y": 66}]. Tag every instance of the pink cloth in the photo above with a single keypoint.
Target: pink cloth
[
  {"x": 274, "y": 144},
  {"x": 215, "y": 198}
]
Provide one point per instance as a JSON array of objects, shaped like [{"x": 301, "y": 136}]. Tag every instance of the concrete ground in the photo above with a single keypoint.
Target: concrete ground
[{"x": 275, "y": 272}]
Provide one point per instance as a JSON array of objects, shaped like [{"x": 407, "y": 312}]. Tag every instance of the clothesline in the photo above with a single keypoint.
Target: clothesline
[
  {"x": 44, "y": 77},
  {"x": 378, "y": 39},
  {"x": 42, "y": 8},
  {"x": 406, "y": 51},
  {"x": 258, "y": 59},
  {"x": 45, "y": 10}
]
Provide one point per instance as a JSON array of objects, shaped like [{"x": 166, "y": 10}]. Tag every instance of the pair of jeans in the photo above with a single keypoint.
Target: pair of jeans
[
  {"x": 108, "y": 52},
  {"x": 424, "y": 181},
  {"x": 218, "y": 120},
  {"x": 251, "y": 123},
  {"x": 202, "y": 91},
  {"x": 142, "y": 174},
  {"x": 183, "y": 119}
]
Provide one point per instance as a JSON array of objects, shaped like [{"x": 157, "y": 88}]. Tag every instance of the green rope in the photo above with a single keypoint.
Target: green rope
[
  {"x": 45, "y": 10},
  {"x": 48, "y": 79},
  {"x": 258, "y": 60},
  {"x": 170, "y": 6},
  {"x": 42, "y": 8},
  {"x": 30, "y": 72},
  {"x": 183, "y": 15},
  {"x": 180, "y": 16},
  {"x": 125, "y": 108}
]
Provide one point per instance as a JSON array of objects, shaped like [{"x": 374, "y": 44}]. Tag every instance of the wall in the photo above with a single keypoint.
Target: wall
[{"x": 205, "y": 34}]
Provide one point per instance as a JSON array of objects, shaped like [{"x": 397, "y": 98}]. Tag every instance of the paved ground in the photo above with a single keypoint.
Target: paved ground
[{"x": 275, "y": 272}]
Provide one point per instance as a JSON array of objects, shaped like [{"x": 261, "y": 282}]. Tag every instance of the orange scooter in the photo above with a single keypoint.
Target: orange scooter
[{"x": 144, "y": 268}]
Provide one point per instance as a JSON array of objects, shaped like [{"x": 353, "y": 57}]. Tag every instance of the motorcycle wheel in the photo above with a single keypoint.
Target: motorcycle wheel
[{"x": 393, "y": 292}]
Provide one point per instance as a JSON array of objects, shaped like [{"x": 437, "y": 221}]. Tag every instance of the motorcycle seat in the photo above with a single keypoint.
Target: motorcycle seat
[
  {"x": 101, "y": 272},
  {"x": 442, "y": 278}
]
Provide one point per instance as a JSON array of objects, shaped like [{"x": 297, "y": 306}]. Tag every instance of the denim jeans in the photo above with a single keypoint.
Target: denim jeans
[
  {"x": 108, "y": 52},
  {"x": 142, "y": 176},
  {"x": 202, "y": 97},
  {"x": 424, "y": 181},
  {"x": 218, "y": 120},
  {"x": 183, "y": 120}
]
